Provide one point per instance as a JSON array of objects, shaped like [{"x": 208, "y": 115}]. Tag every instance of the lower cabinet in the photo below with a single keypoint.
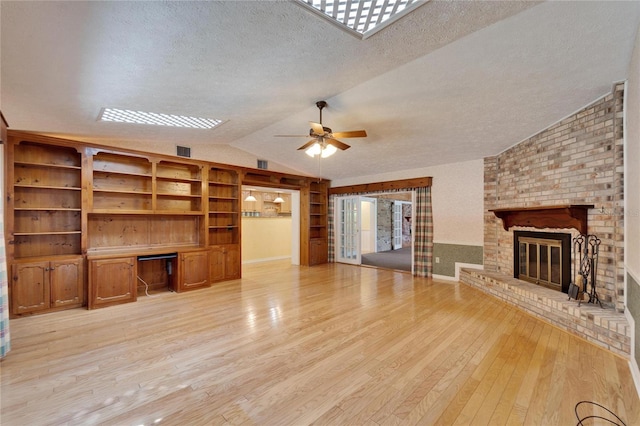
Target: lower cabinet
[
  {"x": 47, "y": 285},
  {"x": 225, "y": 262},
  {"x": 318, "y": 251},
  {"x": 193, "y": 270},
  {"x": 112, "y": 281}
]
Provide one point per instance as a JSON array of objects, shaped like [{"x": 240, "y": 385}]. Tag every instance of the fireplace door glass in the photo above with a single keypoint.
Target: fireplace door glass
[
  {"x": 540, "y": 261},
  {"x": 556, "y": 265},
  {"x": 522, "y": 254}
]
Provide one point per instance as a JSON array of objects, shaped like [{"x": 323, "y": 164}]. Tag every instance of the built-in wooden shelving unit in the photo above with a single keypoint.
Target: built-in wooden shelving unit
[{"x": 86, "y": 224}]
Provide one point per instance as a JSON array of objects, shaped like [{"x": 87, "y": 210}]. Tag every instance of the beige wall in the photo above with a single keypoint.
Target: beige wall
[
  {"x": 266, "y": 239},
  {"x": 456, "y": 195},
  {"x": 632, "y": 207},
  {"x": 632, "y": 163}
]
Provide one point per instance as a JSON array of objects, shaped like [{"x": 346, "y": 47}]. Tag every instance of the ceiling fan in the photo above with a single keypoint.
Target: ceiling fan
[{"x": 325, "y": 142}]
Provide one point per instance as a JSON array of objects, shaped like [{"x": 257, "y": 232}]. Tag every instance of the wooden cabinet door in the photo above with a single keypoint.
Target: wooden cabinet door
[
  {"x": 67, "y": 278},
  {"x": 194, "y": 270},
  {"x": 217, "y": 263},
  {"x": 30, "y": 288},
  {"x": 225, "y": 262},
  {"x": 232, "y": 262},
  {"x": 318, "y": 251},
  {"x": 112, "y": 281},
  {"x": 286, "y": 206}
]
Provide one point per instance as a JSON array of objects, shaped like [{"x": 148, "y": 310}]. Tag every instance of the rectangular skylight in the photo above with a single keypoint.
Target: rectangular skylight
[
  {"x": 365, "y": 17},
  {"x": 140, "y": 117}
]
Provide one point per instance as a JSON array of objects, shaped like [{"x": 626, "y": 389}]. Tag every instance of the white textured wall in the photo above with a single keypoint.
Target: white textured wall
[
  {"x": 457, "y": 197},
  {"x": 632, "y": 165}
]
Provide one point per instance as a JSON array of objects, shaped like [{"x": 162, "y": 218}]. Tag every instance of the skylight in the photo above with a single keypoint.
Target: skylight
[
  {"x": 141, "y": 117},
  {"x": 364, "y": 17}
]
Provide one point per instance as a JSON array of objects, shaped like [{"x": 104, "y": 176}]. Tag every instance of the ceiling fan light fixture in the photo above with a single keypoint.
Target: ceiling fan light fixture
[
  {"x": 314, "y": 150},
  {"x": 328, "y": 151},
  {"x": 324, "y": 150}
]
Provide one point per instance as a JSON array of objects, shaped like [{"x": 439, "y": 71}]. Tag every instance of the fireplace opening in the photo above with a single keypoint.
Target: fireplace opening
[{"x": 543, "y": 258}]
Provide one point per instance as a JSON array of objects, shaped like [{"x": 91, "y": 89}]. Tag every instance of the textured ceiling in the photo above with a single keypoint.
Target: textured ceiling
[{"x": 449, "y": 82}]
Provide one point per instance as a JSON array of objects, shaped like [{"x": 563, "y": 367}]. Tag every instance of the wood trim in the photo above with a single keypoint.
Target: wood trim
[
  {"x": 561, "y": 216},
  {"x": 3, "y": 128},
  {"x": 271, "y": 179},
  {"x": 382, "y": 186}
]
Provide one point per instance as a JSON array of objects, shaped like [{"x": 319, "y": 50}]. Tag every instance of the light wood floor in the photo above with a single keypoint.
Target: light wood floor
[{"x": 332, "y": 344}]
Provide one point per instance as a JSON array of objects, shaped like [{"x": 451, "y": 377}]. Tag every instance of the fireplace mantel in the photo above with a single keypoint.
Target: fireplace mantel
[{"x": 562, "y": 216}]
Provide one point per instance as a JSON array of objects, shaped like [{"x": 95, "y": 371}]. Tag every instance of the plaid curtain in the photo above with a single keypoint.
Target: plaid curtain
[
  {"x": 5, "y": 342},
  {"x": 423, "y": 218},
  {"x": 423, "y": 238}
]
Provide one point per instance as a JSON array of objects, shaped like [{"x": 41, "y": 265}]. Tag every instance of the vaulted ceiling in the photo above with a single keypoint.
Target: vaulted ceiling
[{"x": 448, "y": 82}]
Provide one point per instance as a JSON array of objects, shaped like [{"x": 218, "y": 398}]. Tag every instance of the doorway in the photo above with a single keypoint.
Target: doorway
[
  {"x": 375, "y": 230},
  {"x": 270, "y": 224}
]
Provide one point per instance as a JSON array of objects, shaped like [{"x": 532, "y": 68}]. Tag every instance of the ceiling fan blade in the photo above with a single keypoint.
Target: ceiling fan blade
[
  {"x": 351, "y": 134},
  {"x": 317, "y": 128},
  {"x": 308, "y": 144},
  {"x": 337, "y": 143},
  {"x": 290, "y": 136}
]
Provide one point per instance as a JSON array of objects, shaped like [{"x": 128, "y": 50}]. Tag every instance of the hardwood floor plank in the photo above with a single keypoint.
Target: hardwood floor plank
[{"x": 328, "y": 345}]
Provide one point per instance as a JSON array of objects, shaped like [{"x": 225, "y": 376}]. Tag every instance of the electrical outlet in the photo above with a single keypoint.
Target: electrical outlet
[{"x": 437, "y": 260}]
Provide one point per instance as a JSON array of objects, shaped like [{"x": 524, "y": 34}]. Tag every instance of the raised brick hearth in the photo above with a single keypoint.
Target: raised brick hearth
[{"x": 604, "y": 327}]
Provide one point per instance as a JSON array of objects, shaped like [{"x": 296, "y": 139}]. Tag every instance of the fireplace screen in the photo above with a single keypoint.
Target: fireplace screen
[{"x": 540, "y": 261}]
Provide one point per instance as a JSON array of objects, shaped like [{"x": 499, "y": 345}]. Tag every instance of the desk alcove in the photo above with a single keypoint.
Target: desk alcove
[{"x": 157, "y": 272}]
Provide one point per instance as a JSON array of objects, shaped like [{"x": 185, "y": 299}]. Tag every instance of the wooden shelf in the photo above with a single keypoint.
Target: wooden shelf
[
  {"x": 178, "y": 179},
  {"x": 54, "y": 166},
  {"x": 172, "y": 195},
  {"x": 122, "y": 191},
  {"x": 215, "y": 197},
  {"x": 122, "y": 173},
  {"x": 60, "y": 188},
  {"x": 47, "y": 209},
  {"x": 116, "y": 211},
  {"x": 216, "y": 183},
  {"x": 559, "y": 216},
  {"x": 23, "y": 234}
]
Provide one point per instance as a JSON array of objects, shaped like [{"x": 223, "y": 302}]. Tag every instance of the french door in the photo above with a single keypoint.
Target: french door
[
  {"x": 397, "y": 225},
  {"x": 348, "y": 229}
]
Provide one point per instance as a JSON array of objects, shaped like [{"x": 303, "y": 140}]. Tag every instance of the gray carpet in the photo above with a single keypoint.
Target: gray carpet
[{"x": 392, "y": 259}]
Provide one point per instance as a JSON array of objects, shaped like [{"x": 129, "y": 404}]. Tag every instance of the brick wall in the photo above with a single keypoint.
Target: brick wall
[
  {"x": 576, "y": 161},
  {"x": 385, "y": 224}
]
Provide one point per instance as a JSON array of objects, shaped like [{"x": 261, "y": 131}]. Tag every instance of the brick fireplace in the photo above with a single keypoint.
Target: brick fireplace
[{"x": 577, "y": 161}]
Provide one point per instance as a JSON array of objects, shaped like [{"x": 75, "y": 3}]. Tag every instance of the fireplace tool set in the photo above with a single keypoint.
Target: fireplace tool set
[{"x": 585, "y": 255}]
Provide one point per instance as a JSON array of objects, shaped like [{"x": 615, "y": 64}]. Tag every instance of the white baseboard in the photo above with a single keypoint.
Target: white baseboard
[
  {"x": 443, "y": 277},
  {"x": 458, "y": 266},
  {"x": 633, "y": 364},
  {"x": 266, "y": 259}
]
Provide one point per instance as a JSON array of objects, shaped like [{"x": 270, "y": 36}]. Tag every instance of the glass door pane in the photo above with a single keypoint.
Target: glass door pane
[
  {"x": 348, "y": 229},
  {"x": 533, "y": 261},
  {"x": 544, "y": 262},
  {"x": 556, "y": 265}
]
